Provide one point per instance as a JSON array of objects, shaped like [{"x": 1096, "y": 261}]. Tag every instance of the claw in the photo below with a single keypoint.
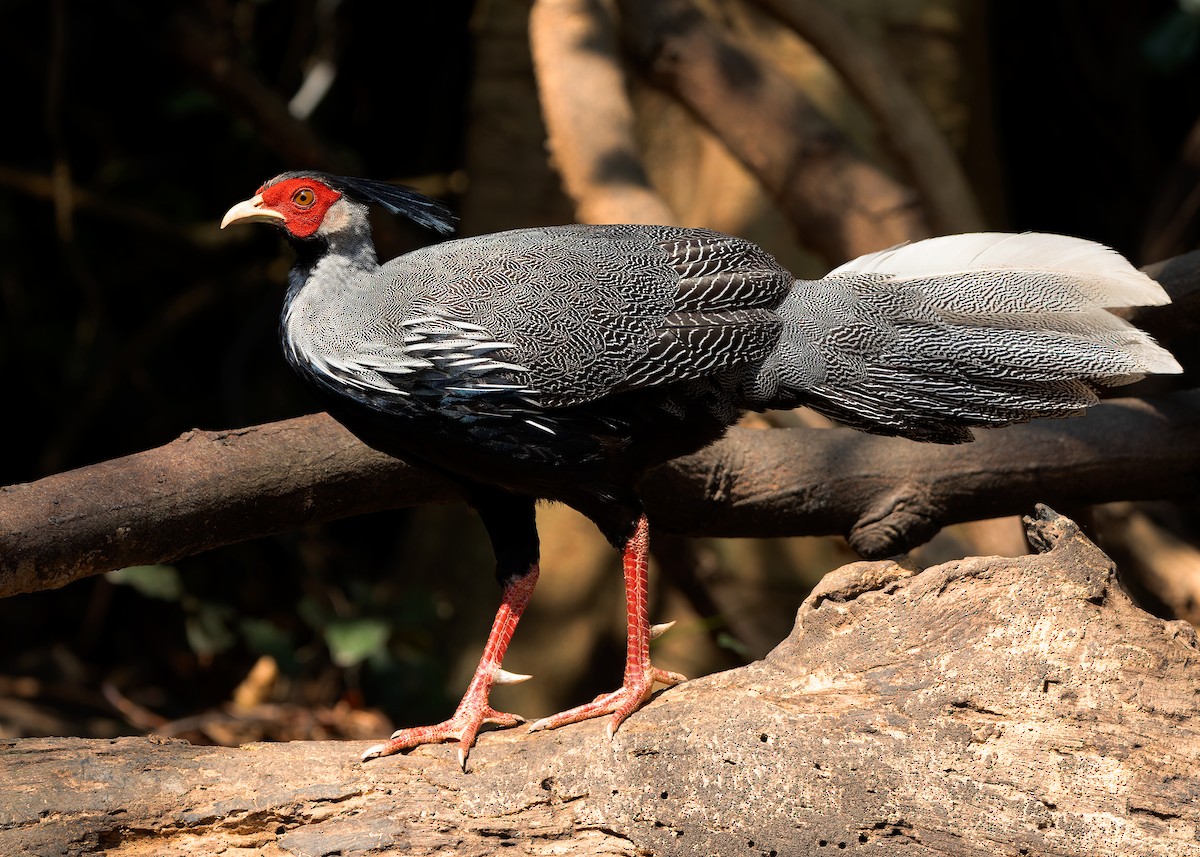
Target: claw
[
  {"x": 657, "y": 631},
  {"x": 505, "y": 677},
  {"x": 620, "y": 703},
  {"x": 373, "y": 752},
  {"x": 474, "y": 711}
]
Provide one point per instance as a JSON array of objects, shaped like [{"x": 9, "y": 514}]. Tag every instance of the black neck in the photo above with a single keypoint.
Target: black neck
[{"x": 309, "y": 252}]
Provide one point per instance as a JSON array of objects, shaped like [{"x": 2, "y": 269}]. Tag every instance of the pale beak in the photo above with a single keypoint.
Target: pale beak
[{"x": 251, "y": 211}]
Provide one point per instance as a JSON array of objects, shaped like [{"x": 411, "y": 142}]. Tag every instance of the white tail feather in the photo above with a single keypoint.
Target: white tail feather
[
  {"x": 929, "y": 339},
  {"x": 1104, "y": 273}
]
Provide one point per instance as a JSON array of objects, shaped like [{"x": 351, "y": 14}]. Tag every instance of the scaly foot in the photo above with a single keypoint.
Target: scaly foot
[
  {"x": 474, "y": 710},
  {"x": 622, "y": 702},
  {"x": 462, "y": 727},
  {"x": 640, "y": 674}
]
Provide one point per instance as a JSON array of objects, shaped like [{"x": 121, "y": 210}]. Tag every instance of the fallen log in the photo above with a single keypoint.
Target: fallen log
[{"x": 986, "y": 706}]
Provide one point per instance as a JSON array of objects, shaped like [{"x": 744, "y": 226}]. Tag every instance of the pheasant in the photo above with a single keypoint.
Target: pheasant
[{"x": 560, "y": 363}]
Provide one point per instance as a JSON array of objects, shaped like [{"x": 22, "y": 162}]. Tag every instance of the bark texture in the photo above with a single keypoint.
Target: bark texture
[{"x": 986, "y": 706}]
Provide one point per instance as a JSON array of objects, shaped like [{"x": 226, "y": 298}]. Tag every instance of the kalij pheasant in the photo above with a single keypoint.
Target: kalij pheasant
[{"x": 560, "y": 363}]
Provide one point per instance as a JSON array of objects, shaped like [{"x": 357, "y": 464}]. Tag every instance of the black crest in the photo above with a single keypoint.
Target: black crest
[{"x": 397, "y": 199}]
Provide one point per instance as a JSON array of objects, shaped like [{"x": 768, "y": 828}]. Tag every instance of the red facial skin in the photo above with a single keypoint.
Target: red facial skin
[{"x": 302, "y": 201}]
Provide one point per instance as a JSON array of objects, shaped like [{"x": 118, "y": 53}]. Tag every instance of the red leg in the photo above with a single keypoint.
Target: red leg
[
  {"x": 474, "y": 710},
  {"x": 640, "y": 674}
]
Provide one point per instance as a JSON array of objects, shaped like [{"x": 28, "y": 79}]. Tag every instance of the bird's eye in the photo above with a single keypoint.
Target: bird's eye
[{"x": 304, "y": 197}]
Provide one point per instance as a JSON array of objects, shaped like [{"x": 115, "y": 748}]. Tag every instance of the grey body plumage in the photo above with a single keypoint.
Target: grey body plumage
[
  {"x": 550, "y": 319},
  {"x": 575, "y": 312}
]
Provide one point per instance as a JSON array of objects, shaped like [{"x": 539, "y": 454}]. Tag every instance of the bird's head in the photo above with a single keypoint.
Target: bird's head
[{"x": 317, "y": 205}]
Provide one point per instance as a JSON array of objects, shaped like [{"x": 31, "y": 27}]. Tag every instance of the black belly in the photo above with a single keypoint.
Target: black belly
[{"x": 590, "y": 456}]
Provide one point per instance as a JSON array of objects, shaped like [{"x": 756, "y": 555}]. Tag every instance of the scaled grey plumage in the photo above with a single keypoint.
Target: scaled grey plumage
[{"x": 923, "y": 341}]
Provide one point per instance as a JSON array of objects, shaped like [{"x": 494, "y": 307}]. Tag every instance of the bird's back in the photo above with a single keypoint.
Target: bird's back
[{"x": 565, "y": 315}]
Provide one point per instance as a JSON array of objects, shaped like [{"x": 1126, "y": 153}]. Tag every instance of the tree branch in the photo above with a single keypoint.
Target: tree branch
[
  {"x": 209, "y": 489},
  {"x": 213, "y": 488},
  {"x": 204, "y": 490},
  {"x": 589, "y": 120},
  {"x": 841, "y": 205},
  {"x": 891, "y": 494}
]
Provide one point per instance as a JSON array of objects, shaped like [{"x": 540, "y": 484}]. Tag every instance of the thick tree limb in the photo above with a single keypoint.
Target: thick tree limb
[
  {"x": 213, "y": 488},
  {"x": 987, "y": 706},
  {"x": 890, "y": 494},
  {"x": 201, "y": 491},
  {"x": 841, "y": 205},
  {"x": 589, "y": 120}
]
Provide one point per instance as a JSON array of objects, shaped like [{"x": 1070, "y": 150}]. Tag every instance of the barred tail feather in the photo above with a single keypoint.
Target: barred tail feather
[
  {"x": 1101, "y": 271},
  {"x": 929, "y": 339}
]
